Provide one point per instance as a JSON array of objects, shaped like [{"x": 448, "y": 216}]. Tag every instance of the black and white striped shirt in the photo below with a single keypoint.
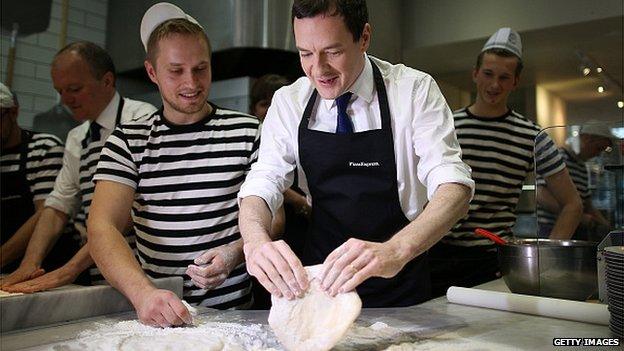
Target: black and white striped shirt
[
  {"x": 186, "y": 180},
  {"x": 43, "y": 163},
  {"x": 500, "y": 152},
  {"x": 579, "y": 175}
]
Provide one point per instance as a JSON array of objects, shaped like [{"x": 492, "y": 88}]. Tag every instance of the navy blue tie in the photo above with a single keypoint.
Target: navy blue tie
[
  {"x": 94, "y": 130},
  {"x": 344, "y": 125}
]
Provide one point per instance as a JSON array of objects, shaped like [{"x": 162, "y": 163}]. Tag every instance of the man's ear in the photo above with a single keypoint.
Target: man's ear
[
  {"x": 109, "y": 79},
  {"x": 151, "y": 71},
  {"x": 365, "y": 38}
]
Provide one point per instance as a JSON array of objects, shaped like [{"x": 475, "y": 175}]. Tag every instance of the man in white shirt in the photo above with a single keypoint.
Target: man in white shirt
[
  {"x": 368, "y": 161},
  {"x": 84, "y": 76}
]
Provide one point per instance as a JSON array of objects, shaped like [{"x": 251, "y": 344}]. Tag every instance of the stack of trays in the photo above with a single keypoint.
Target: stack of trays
[{"x": 614, "y": 258}]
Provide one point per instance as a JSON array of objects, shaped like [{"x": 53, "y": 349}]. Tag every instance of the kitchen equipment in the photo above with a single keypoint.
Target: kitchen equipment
[
  {"x": 615, "y": 238},
  {"x": 614, "y": 259},
  {"x": 555, "y": 268},
  {"x": 535, "y": 305},
  {"x": 488, "y": 234}
]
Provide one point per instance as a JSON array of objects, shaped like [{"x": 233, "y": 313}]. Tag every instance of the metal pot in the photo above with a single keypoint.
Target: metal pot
[{"x": 554, "y": 268}]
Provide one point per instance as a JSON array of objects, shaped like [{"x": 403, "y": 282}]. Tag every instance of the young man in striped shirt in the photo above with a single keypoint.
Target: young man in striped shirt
[
  {"x": 179, "y": 171},
  {"x": 498, "y": 144},
  {"x": 29, "y": 163}
]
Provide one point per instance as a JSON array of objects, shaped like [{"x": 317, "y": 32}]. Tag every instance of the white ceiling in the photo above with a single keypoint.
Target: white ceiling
[{"x": 550, "y": 61}]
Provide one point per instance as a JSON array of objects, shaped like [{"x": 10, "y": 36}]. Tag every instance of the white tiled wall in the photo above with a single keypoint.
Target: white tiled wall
[{"x": 31, "y": 78}]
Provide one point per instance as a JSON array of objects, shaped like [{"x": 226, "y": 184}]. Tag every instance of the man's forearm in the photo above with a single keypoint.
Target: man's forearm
[
  {"x": 47, "y": 230},
  {"x": 448, "y": 205},
  {"x": 562, "y": 188},
  {"x": 15, "y": 247},
  {"x": 79, "y": 262},
  {"x": 255, "y": 220},
  {"x": 567, "y": 221},
  {"x": 116, "y": 261}
]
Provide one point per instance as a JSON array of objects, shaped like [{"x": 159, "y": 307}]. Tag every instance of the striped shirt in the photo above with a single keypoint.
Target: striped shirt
[
  {"x": 580, "y": 178},
  {"x": 43, "y": 163},
  {"x": 186, "y": 179},
  {"x": 500, "y": 152}
]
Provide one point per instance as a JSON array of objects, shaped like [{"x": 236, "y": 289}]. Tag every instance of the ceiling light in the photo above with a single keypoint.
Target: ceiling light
[
  {"x": 599, "y": 69},
  {"x": 601, "y": 89},
  {"x": 586, "y": 71},
  {"x": 620, "y": 104}
]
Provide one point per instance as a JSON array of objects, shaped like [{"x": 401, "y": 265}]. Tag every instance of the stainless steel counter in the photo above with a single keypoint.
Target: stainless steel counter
[{"x": 434, "y": 325}]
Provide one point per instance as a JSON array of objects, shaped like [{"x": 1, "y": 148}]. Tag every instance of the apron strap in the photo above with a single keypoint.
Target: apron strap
[
  {"x": 26, "y": 137},
  {"x": 87, "y": 138}
]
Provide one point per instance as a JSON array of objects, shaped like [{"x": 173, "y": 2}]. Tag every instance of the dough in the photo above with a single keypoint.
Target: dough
[
  {"x": 7, "y": 294},
  {"x": 315, "y": 322}
]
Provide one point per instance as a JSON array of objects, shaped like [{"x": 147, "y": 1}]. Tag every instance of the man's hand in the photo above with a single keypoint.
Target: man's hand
[
  {"x": 357, "y": 260},
  {"x": 214, "y": 266},
  {"x": 54, "y": 279},
  {"x": 277, "y": 268},
  {"x": 161, "y": 308},
  {"x": 23, "y": 273}
]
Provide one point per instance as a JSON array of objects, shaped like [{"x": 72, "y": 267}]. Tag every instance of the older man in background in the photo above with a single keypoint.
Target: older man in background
[{"x": 84, "y": 76}]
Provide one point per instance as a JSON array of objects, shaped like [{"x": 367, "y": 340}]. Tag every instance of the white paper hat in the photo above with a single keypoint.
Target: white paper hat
[
  {"x": 157, "y": 14},
  {"x": 507, "y": 39},
  {"x": 6, "y": 97},
  {"x": 597, "y": 128}
]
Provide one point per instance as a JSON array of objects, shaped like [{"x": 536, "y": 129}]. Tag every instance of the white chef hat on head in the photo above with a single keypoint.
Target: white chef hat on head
[
  {"x": 507, "y": 39},
  {"x": 6, "y": 97},
  {"x": 594, "y": 127},
  {"x": 159, "y": 13}
]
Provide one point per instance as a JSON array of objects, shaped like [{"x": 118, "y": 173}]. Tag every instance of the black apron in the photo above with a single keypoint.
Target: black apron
[
  {"x": 93, "y": 273},
  {"x": 18, "y": 206},
  {"x": 84, "y": 153},
  {"x": 353, "y": 183},
  {"x": 17, "y": 199}
]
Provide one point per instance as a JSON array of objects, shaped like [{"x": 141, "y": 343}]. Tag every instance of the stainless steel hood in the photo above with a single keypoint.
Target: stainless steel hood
[{"x": 248, "y": 37}]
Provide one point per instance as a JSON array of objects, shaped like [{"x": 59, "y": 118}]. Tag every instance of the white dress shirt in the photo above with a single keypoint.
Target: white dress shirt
[
  {"x": 66, "y": 194},
  {"x": 426, "y": 150}
]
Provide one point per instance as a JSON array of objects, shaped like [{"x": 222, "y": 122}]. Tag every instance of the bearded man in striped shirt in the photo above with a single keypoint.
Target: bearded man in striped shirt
[{"x": 179, "y": 171}]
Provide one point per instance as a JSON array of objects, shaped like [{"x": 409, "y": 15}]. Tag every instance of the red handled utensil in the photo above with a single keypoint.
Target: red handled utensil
[{"x": 488, "y": 234}]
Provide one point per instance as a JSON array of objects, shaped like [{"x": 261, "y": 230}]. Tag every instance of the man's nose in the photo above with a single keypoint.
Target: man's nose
[{"x": 67, "y": 99}]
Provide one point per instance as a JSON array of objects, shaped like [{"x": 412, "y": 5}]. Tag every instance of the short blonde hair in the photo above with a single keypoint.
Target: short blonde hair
[{"x": 170, "y": 27}]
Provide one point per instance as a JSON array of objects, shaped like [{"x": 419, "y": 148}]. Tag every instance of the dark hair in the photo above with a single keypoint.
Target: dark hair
[
  {"x": 354, "y": 12},
  {"x": 265, "y": 87},
  {"x": 170, "y": 27},
  {"x": 98, "y": 60},
  {"x": 502, "y": 53}
]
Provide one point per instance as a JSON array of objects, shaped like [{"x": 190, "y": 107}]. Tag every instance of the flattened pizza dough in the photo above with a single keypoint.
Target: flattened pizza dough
[
  {"x": 7, "y": 294},
  {"x": 315, "y": 322}
]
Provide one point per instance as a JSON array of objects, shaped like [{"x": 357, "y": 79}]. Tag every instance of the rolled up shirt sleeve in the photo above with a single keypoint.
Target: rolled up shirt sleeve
[
  {"x": 272, "y": 174},
  {"x": 65, "y": 196},
  {"x": 435, "y": 141}
]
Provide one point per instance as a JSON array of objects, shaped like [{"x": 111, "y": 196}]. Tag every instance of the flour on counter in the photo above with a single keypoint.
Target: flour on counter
[{"x": 204, "y": 335}]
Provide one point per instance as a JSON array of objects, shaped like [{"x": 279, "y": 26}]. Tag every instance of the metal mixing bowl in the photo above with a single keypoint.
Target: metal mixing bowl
[{"x": 555, "y": 268}]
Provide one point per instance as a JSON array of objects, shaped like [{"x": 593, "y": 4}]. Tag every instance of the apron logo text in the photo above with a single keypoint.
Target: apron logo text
[{"x": 364, "y": 164}]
